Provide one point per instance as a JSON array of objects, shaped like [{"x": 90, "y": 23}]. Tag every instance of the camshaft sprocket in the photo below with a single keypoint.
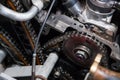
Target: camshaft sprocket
[{"x": 72, "y": 40}]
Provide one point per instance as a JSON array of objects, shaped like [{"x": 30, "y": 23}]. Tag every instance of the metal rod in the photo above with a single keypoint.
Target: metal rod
[
  {"x": 2, "y": 55},
  {"x": 47, "y": 66},
  {"x": 38, "y": 38},
  {"x": 17, "y": 16}
]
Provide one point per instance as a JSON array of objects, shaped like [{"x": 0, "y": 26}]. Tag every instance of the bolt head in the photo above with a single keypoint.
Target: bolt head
[{"x": 81, "y": 55}]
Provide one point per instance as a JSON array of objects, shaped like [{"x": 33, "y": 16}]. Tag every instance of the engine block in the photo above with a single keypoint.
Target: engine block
[{"x": 59, "y": 40}]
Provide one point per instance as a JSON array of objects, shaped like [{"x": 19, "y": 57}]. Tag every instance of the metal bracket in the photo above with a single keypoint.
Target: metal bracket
[{"x": 56, "y": 21}]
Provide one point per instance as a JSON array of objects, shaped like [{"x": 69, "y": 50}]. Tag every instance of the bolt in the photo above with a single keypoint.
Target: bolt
[{"x": 81, "y": 55}]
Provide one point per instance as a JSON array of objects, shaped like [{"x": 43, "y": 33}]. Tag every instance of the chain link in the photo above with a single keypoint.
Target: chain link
[
  {"x": 71, "y": 34},
  {"x": 8, "y": 40},
  {"x": 30, "y": 30}
]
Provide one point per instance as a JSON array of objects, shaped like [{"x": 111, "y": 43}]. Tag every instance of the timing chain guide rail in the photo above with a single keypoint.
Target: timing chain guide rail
[
  {"x": 55, "y": 22},
  {"x": 28, "y": 29},
  {"x": 7, "y": 40}
]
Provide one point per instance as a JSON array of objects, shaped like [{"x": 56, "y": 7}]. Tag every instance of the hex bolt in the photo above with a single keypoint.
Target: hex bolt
[{"x": 81, "y": 55}]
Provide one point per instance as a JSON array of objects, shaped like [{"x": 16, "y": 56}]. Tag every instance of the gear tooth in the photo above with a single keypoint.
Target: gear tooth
[
  {"x": 77, "y": 34},
  {"x": 72, "y": 35},
  {"x": 68, "y": 33},
  {"x": 74, "y": 32}
]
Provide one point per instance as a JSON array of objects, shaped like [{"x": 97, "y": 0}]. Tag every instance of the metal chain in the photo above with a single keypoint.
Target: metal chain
[
  {"x": 64, "y": 74},
  {"x": 8, "y": 40},
  {"x": 71, "y": 34},
  {"x": 68, "y": 35},
  {"x": 30, "y": 28},
  {"x": 28, "y": 24}
]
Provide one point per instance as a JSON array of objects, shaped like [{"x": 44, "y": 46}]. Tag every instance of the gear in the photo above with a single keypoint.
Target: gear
[
  {"x": 80, "y": 49},
  {"x": 77, "y": 46}
]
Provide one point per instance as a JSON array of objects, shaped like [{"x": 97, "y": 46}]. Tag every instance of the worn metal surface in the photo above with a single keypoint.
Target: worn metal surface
[
  {"x": 55, "y": 22},
  {"x": 100, "y": 73}
]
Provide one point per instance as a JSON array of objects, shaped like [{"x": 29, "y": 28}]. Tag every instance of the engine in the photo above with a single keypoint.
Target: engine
[{"x": 59, "y": 40}]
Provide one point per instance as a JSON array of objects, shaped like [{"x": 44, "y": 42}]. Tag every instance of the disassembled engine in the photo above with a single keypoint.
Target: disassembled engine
[{"x": 59, "y": 40}]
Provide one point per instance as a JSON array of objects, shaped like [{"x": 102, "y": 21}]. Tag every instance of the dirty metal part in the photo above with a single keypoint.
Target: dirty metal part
[
  {"x": 62, "y": 22},
  {"x": 106, "y": 34},
  {"x": 17, "y": 6},
  {"x": 105, "y": 74},
  {"x": 100, "y": 15},
  {"x": 73, "y": 6},
  {"x": 74, "y": 41},
  {"x": 115, "y": 66},
  {"x": 38, "y": 38},
  {"x": 101, "y": 73},
  {"x": 102, "y": 6},
  {"x": 82, "y": 52},
  {"x": 16, "y": 51},
  {"x": 87, "y": 49},
  {"x": 41, "y": 70},
  {"x": 99, "y": 22},
  {"x": 59, "y": 71}
]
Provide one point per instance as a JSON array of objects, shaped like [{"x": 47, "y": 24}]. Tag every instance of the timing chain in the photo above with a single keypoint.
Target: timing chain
[
  {"x": 64, "y": 74},
  {"x": 29, "y": 31},
  {"x": 8, "y": 40},
  {"x": 68, "y": 75},
  {"x": 67, "y": 35},
  {"x": 27, "y": 24}
]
